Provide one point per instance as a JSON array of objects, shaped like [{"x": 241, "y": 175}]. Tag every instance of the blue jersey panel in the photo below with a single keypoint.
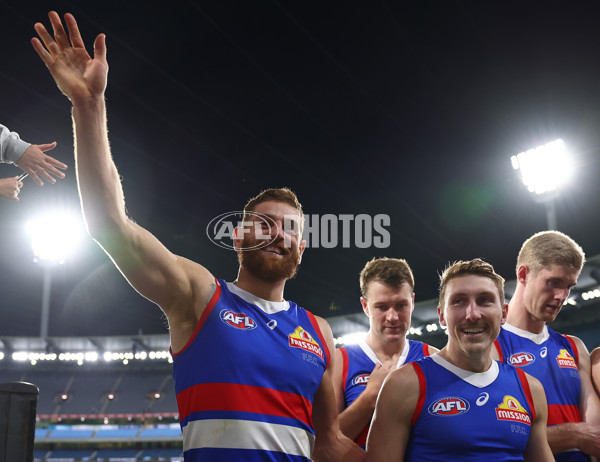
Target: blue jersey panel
[
  {"x": 553, "y": 363},
  {"x": 462, "y": 422}
]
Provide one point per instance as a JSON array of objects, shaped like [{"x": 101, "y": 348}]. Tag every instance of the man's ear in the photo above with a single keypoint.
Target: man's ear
[
  {"x": 522, "y": 273},
  {"x": 504, "y": 312},
  {"x": 301, "y": 248},
  {"x": 365, "y": 306},
  {"x": 440, "y": 311}
]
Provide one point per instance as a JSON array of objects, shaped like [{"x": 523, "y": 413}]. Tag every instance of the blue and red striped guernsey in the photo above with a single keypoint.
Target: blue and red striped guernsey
[
  {"x": 246, "y": 380},
  {"x": 465, "y": 416},
  {"x": 552, "y": 359},
  {"x": 358, "y": 362}
]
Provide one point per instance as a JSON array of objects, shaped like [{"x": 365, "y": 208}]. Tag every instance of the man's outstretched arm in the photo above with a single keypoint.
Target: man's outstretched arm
[{"x": 180, "y": 287}]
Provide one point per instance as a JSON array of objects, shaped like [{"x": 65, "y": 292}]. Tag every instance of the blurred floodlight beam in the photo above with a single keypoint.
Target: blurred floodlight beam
[
  {"x": 55, "y": 236},
  {"x": 545, "y": 168}
]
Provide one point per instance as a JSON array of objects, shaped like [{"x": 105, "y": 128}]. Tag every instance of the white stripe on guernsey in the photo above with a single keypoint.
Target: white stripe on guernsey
[
  {"x": 267, "y": 306},
  {"x": 247, "y": 434},
  {"x": 373, "y": 357},
  {"x": 477, "y": 379},
  {"x": 538, "y": 339}
]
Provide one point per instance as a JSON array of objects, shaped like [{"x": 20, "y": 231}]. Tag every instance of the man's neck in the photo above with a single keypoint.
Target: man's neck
[
  {"x": 271, "y": 291},
  {"x": 479, "y": 362},
  {"x": 385, "y": 351},
  {"x": 519, "y": 317}
]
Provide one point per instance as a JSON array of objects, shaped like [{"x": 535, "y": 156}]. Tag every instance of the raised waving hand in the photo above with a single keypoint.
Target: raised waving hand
[{"x": 80, "y": 77}]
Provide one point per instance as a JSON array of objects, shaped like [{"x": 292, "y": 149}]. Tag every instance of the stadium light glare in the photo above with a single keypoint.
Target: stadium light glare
[
  {"x": 54, "y": 236},
  {"x": 1, "y": 355},
  {"x": 544, "y": 170}
]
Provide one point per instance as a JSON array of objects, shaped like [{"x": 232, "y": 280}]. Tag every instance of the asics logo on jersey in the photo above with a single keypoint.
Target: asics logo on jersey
[
  {"x": 361, "y": 379},
  {"x": 483, "y": 398},
  {"x": 544, "y": 352},
  {"x": 564, "y": 359},
  {"x": 449, "y": 406},
  {"x": 521, "y": 359},
  {"x": 237, "y": 320}
]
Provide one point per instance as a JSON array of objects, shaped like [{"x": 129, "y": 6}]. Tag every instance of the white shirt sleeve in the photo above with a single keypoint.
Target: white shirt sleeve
[{"x": 11, "y": 146}]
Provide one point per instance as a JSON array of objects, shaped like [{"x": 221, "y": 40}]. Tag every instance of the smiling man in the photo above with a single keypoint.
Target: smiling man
[
  {"x": 548, "y": 266},
  {"x": 252, "y": 370},
  {"x": 459, "y": 404},
  {"x": 387, "y": 287}
]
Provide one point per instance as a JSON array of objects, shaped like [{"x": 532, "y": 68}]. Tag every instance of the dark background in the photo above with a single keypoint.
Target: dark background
[{"x": 410, "y": 109}]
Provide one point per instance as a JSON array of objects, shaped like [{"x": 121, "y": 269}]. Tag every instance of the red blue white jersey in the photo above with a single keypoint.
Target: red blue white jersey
[
  {"x": 358, "y": 362},
  {"x": 466, "y": 416},
  {"x": 246, "y": 379},
  {"x": 552, "y": 359}
]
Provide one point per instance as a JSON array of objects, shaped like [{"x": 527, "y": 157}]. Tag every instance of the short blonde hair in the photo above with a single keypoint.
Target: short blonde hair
[{"x": 550, "y": 248}]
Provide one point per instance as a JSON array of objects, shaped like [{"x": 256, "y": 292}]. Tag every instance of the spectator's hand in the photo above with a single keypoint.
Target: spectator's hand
[
  {"x": 10, "y": 188},
  {"x": 36, "y": 163}
]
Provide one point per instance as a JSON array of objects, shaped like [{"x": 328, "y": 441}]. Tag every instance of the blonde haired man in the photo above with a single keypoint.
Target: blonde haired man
[{"x": 547, "y": 269}]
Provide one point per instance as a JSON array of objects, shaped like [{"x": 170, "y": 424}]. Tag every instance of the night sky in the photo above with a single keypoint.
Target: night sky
[{"x": 408, "y": 109}]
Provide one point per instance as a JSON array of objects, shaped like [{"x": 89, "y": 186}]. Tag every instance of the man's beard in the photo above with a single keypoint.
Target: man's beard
[{"x": 270, "y": 269}]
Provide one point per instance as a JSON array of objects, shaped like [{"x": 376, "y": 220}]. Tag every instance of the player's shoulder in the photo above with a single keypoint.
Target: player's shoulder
[{"x": 405, "y": 377}]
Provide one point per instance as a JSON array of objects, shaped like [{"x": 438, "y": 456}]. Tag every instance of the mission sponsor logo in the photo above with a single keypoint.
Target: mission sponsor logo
[
  {"x": 564, "y": 359},
  {"x": 511, "y": 409},
  {"x": 521, "y": 359},
  {"x": 303, "y": 340},
  {"x": 360, "y": 379},
  {"x": 450, "y": 406},
  {"x": 237, "y": 320}
]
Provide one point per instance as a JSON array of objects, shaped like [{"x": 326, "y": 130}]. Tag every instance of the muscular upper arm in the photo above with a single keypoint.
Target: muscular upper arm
[
  {"x": 324, "y": 407},
  {"x": 537, "y": 449},
  {"x": 338, "y": 378},
  {"x": 589, "y": 403},
  {"x": 595, "y": 363},
  {"x": 330, "y": 444},
  {"x": 179, "y": 286},
  {"x": 396, "y": 404}
]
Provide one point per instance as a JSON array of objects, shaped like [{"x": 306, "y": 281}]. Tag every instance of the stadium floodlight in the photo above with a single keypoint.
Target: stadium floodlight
[
  {"x": 543, "y": 170},
  {"x": 55, "y": 236}
]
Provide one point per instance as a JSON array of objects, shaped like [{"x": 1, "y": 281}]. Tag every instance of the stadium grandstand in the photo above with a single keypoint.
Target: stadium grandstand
[{"x": 112, "y": 398}]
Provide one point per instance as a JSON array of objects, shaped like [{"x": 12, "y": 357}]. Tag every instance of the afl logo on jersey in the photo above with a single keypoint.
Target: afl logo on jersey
[
  {"x": 361, "y": 379},
  {"x": 449, "y": 406},
  {"x": 237, "y": 320},
  {"x": 521, "y": 359}
]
